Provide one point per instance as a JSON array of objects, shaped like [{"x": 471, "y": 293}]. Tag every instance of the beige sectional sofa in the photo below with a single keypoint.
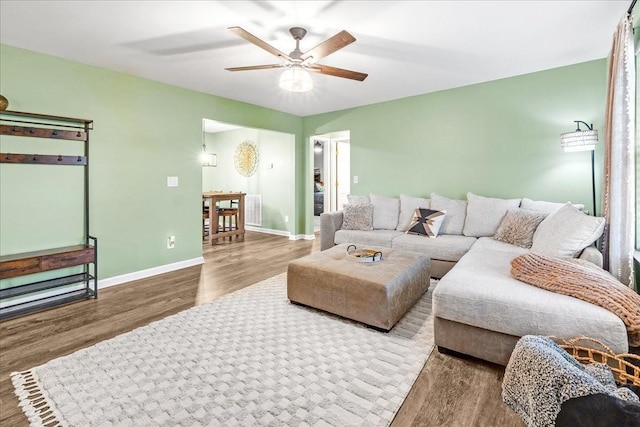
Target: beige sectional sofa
[{"x": 479, "y": 309}]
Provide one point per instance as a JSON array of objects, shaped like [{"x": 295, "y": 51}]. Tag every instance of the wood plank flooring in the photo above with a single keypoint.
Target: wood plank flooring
[{"x": 449, "y": 391}]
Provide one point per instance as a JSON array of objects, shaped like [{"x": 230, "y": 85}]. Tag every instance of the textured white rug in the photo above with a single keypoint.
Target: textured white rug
[{"x": 248, "y": 358}]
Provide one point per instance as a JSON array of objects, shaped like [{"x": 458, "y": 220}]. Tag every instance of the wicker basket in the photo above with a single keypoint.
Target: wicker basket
[{"x": 625, "y": 367}]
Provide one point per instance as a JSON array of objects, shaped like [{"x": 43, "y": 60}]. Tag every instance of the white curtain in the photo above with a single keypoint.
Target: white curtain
[{"x": 618, "y": 198}]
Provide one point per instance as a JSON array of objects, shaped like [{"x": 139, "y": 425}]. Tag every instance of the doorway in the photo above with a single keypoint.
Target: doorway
[{"x": 331, "y": 172}]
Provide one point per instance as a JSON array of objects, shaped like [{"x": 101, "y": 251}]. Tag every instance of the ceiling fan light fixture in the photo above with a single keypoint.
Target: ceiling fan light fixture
[{"x": 296, "y": 79}]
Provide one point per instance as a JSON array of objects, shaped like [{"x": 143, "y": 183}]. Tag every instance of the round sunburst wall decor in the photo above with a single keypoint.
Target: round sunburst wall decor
[{"x": 246, "y": 158}]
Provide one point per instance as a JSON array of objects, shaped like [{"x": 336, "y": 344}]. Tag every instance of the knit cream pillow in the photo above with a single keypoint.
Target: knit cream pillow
[
  {"x": 357, "y": 217},
  {"x": 517, "y": 227}
]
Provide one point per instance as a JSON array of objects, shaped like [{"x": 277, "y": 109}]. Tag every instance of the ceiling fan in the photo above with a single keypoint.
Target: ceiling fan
[{"x": 295, "y": 76}]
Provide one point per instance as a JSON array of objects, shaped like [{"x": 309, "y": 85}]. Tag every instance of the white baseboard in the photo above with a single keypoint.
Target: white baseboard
[
  {"x": 281, "y": 233},
  {"x": 302, "y": 237},
  {"x": 143, "y": 274},
  {"x": 267, "y": 231}
]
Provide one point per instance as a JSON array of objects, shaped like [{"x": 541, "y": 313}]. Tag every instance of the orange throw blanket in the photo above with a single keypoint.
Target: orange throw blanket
[{"x": 583, "y": 280}]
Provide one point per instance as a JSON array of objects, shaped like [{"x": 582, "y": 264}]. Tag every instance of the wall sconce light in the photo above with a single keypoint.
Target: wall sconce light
[
  {"x": 583, "y": 140},
  {"x": 317, "y": 147},
  {"x": 208, "y": 159}
]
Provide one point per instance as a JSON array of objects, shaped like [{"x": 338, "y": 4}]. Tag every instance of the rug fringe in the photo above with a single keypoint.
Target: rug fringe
[{"x": 33, "y": 401}]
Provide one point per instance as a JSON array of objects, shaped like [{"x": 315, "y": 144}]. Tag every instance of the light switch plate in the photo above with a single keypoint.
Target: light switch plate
[{"x": 172, "y": 181}]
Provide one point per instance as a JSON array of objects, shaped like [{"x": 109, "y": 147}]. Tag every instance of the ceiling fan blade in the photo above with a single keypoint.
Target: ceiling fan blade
[
  {"x": 258, "y": 42},
  {"x": 338, "y": 72},
  {"x": 254, "y": 67},
  {"x": 328, "y": 46}
]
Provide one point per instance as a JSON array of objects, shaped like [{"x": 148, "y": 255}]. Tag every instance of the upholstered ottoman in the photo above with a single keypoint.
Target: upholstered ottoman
[{"x": 377, "y": 293}]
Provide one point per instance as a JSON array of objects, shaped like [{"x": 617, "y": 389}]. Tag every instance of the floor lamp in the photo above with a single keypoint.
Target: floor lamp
[{"x": 583, "y": 140}]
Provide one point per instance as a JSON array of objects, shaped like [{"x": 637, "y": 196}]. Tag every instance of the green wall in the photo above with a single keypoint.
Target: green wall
[
  {"x": 274, "y": 177},
  {"x": 144, "y": 132},
  {"x": 498, "y": 139}
]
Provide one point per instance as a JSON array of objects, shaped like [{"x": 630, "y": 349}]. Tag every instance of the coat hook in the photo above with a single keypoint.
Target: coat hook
[
  {"x": 79, "y": 159},
  {"x": 14, "y": 129},
  {"x": 59, "y": 158},
  {"x": 35, "y": 157},
  {"x": 54, "y": 133},
  {"x": 31, "y": 130},
  {"x": 8, "y": 156},
  {"x": 79, "y": 134}
]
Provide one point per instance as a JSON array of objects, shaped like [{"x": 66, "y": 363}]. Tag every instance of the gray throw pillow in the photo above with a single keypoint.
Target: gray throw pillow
[
  {"x": 357, "y": 217},
  {"x": 518, "y": 226},
  {"x": 456, "y": 213},
  {"x": 566, "y": 232},
  {"x": 543, "y": 206},
  {"x": 354, "y": 199},
  {"x": 485, "y": 213},
  {"x": 385, "y": 212},
  {"x": 408, "y": 206}
]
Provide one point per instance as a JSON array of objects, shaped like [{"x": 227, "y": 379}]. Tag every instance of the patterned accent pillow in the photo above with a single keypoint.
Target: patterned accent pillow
[
  {"x": 517, "y": 227},
  {"x": 426, "y": 222},
  {"x": 357, "y": 217}
]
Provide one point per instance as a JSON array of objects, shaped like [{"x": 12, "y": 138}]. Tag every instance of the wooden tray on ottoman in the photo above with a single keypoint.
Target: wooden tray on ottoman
[{"x": 375, "y": 293}]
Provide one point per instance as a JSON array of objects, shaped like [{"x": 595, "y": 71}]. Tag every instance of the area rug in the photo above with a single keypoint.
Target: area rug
[{"x": 248, "y": 358}]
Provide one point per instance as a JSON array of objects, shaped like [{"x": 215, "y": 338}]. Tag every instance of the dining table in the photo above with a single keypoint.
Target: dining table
[{"x": 213, "y": 198}]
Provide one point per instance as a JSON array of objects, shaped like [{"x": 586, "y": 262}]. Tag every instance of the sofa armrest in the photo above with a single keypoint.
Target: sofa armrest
[
  {"x": 592, "y": 254},
  {"x": 330, "y": 222}
]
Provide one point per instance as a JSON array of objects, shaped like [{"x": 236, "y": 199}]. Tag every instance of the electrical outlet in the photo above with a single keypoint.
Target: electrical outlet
[
  {"x": 172, "y": 181},
  {"x": 286, "y": 218},
  {"x": 171, "y": 242},
  {"x": 355, "y": 179}
]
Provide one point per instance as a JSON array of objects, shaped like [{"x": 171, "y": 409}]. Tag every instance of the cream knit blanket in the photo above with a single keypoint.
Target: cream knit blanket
[{"x": 583, "y": 280}]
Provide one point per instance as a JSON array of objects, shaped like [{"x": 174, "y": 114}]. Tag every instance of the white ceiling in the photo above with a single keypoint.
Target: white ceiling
[{"x": 407, "y": 47}]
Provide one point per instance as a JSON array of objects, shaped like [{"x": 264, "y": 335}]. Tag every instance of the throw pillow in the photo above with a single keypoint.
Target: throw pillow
[
  {"x": 456, "y": 213},
  {"x": 408, "y": 206},
  {"x": 357, "y": 217},
  {"x": 517, "y": 227},
  {"x": 357, "y": 200},
  {"x": 484, "y": 214},
  {"x": 385, "y": 212},
  {"x": 426, "y": 222},
  {"x": 546, "y": 207},
  {"x": 566, "y": 232}
]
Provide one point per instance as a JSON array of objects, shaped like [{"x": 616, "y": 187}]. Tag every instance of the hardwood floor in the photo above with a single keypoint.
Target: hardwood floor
[{"x": 449, "y": 391}]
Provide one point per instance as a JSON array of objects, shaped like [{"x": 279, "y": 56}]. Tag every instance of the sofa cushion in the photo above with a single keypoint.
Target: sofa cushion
[
  {"x": 357, "y": 217},
  {"x": 456, "y": 213},
  {"x": 546, "y": 207},
  {"x": 479, "y": 291},
  {"x": 426, "y": 222},
  {"x": 408, "y": 206},
  {"x": 484, "y": 214},
  {"x": 566, "y": 232},
  {"x": 354, "y": 199},
  {"x": 385, "y": 212},
  {"x": 446, "y": 247},
  {"x": 518, "y": 226},
  {"x": 375, "y": 238}
]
